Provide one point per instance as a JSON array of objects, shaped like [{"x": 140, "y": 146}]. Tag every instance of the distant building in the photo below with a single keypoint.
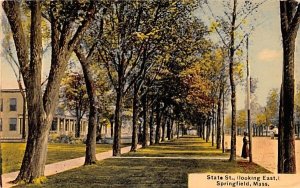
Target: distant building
[{"x": 11, "y": 118}]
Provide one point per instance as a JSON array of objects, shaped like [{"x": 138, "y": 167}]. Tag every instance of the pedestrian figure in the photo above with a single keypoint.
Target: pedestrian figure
[{"x": 245, "y": 150}]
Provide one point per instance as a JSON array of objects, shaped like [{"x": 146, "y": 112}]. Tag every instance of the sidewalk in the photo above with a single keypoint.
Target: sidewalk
[{"x": 62, "y": 166}]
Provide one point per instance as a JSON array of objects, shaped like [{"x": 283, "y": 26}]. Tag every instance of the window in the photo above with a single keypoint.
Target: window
[
  {"x": 12, "y": 124},
  {"x": 0, "y": 124},
  {"x": 1, "y": 105},
  {"x": 13, "y": 104}
]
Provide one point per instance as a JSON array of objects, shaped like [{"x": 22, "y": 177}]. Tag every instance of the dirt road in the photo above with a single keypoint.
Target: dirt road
[{"x": 264, "y": 151}]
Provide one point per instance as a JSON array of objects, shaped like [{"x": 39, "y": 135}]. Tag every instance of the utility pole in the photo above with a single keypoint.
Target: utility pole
[{"x": 248, "y": 102}]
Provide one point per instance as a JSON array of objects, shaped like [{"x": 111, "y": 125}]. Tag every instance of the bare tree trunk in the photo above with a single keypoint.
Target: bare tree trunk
[
  {"x": 172, "y": 129},
  {"x": 158, "y": 119},
  {"x": 118, "y": 123},
  {"x": 169, "y": 129},
  {"x": 23, "y": 93},
  {"x": 290, "y": 21},
  {"x": 208, "y": 128},
  {"x": 77, "y": 126},
  {"x": 99, "y": 129},
  {"x": 204, "y": 129},
  {"x": 178, "y": 129},
  {"x": 213, "y": 126},
  {"x": 219, "y": 119},
  {"x": 24, "y": 116},
  {"x": 232, "y": 84},
  {"x": 140, "y": 134},
  {"x": 134, "y": 119},
  {"x": 200, "y": 129},
  {"x": 280, "y": 163},
  {"x": 145, "y": 122},
  {"x": 34, "y": 160},
  {"x": 0, "y": 164},
  {"x": 111, "y": 120},
  {"x": 90, "y": 153},
  {"x": 151, "y": 124},
  {"x": 163, "y": 128},
  {"x": 223, "y": 123}
]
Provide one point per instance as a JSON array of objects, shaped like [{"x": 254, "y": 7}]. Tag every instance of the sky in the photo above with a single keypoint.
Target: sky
[
  {"x": 265, "y": 50},
  {"x": 265, "y": 55}
]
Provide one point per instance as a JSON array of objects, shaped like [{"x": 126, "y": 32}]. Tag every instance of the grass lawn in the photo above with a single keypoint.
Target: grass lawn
[
  {"x": 184, "y": 147},
  {"x": 153, "y": 172},
  {"x": 12, "y": 153}
]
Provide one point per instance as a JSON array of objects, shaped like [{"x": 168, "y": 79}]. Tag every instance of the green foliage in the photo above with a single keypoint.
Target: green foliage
[
  {"x": 73, "y": 94},
  {"x": 40, "y": 180},
  {"x": 272, "y": 107},
  {"x": 68, "y": 139},
  {"x": 241, "y": 118}
]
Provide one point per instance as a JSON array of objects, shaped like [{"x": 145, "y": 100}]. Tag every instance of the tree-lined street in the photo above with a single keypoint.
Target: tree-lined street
[{"x": 152, "y": 71}]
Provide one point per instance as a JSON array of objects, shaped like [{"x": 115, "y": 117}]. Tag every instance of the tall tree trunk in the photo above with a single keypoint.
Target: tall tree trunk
[
  {"x": 23, "y": 93},
  {"x": 118, "y": 123},
  {"x": 290, "y": 21},
  {"x": 1, "y": 164},
  {"x": 140, "y": 134},
  {"x": 34, "y": 160},
  {"x": 200, "y": 129},
  {"x": 223, "y": 123},
  {"x": 90, "y": 153},
  {"x": 24, "y": 116},
  {"x": 208, "y": 128},
  {"x": 232, "y": 84},
  {"x": 163, "y": 128},
  {"x": 111, "y": 120},
  {"x": 41, "y": 105},
  {"x": 151, "y": 124},
  {"x": 99, "y": 132},
  {"x": 172, "y": 129},
  {"x": 219, "y": 119},
  {"x": 204, "y": 129},
  {"x": 77, "y": 126},
  {"x": 134, "y": 141},
  {"x": 158, "y": 119},
  {"x": 169, "y": 129},
  {"x": 213, "y": 126},
  {"x": 280, "y": 163},
  {"x": 178, "y": 129},
  {"x": 146, "y": 135}
]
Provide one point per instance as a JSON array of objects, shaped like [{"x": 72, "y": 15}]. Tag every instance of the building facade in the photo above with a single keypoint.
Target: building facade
[{"x": 11, "y": 118}]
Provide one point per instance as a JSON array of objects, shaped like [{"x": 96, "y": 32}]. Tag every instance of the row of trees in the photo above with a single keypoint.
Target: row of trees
[
  {"x": 154, "y": 54},
  {"x": 150, "y": 53}
]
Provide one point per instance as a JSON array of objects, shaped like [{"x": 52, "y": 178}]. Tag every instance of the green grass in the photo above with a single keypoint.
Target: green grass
[
  {"x": 184, "y": 147},
  {"x": 153, "y": 172},
  {"x": 12, "y": 153}
]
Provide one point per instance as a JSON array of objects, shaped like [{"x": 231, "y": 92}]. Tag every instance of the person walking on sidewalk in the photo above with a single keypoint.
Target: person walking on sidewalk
[{"x": 245, "y": 150}]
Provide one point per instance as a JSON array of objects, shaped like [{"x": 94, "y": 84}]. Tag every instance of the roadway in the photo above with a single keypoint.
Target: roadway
[{"x": 264, "y": 151}]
